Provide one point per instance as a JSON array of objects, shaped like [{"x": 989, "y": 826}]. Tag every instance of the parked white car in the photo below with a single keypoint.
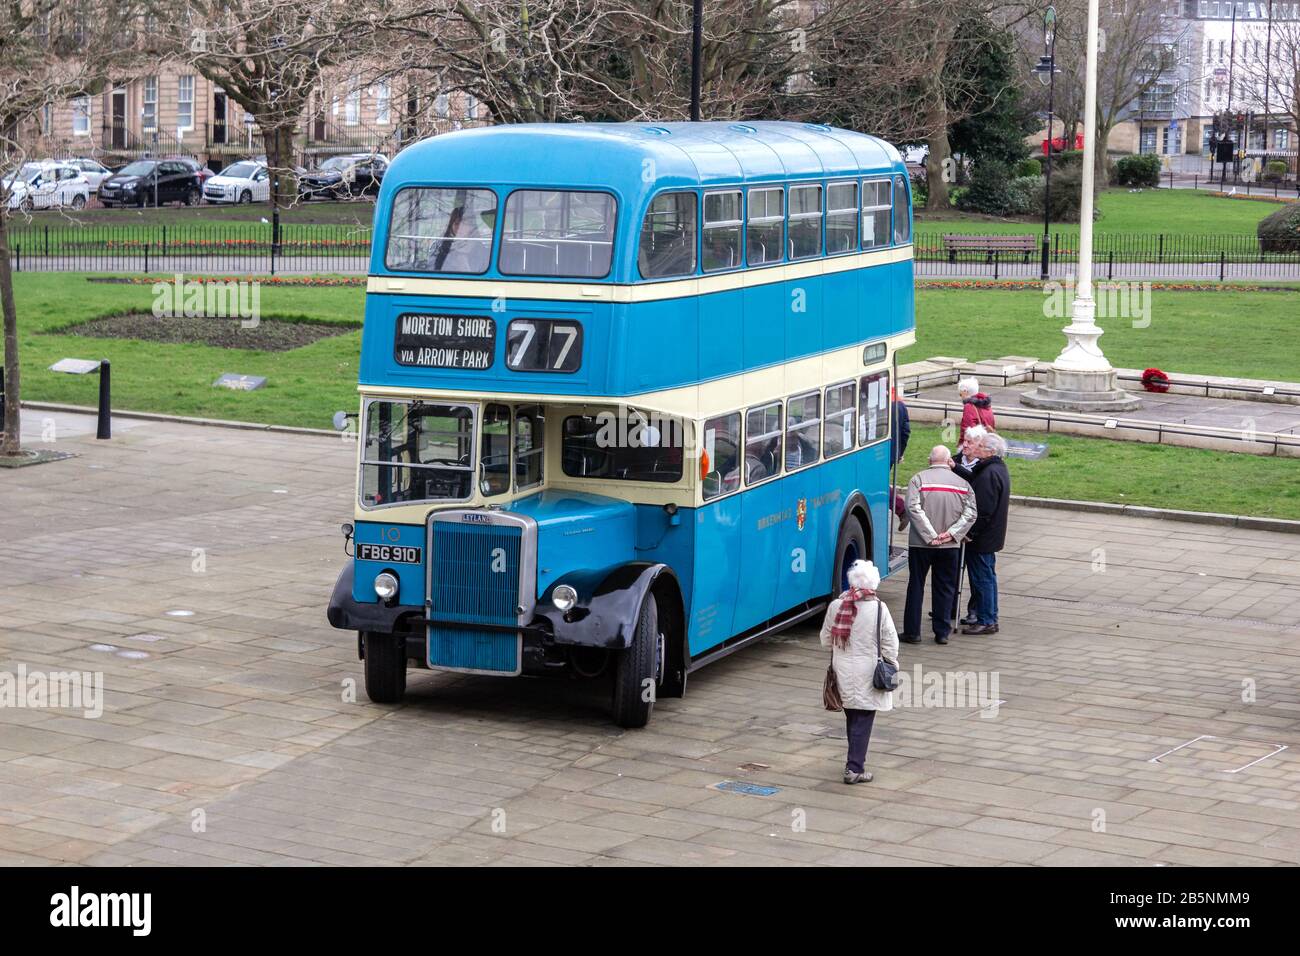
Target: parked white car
[
  {"x": 245, "y": 181},
  {"x": 47, "y": 186},
  {"x": 94, "y": 171}
]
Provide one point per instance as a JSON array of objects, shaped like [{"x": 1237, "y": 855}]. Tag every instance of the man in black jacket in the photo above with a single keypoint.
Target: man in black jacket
[{"x": 992, "y": 485}]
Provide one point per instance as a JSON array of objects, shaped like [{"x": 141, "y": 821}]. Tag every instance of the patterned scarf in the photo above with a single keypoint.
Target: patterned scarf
[{"x": 845, "y": 616}]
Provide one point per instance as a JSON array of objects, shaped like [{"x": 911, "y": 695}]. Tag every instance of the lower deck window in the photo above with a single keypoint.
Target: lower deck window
[
  {"x": 763, "y": 434},
  {"x": 873, "y": 408},
  {"x": 720, "y": 455},
  {"x": 803, "y": 431},
  {"x": 626, "y": 448},
  {"x": 416, "y": 451}
]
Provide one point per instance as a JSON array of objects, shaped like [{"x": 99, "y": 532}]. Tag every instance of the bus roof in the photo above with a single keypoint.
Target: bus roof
[{"x": 635, "y": 156}]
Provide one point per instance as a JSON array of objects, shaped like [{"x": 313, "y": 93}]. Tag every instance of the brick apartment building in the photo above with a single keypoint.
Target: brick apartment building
[{"x": 179, "y": 112}]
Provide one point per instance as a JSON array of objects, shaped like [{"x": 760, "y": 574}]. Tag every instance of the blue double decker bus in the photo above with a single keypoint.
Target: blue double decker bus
[{"x": 625, "y": 397}]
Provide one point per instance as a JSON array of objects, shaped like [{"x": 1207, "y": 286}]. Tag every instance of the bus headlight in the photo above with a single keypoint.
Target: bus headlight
[
  {"x": 564, "y": 597},
  {"x": 385, "y": 586}
]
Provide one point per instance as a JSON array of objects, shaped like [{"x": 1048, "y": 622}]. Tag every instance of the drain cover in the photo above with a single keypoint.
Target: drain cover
[{"x": 749, "y": 789}]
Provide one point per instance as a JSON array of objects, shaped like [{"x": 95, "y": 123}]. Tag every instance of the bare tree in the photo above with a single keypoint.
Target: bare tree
[
  {"x": 50, "y": 51},
  {"x": 1269, "y": 84},
  {"x": 269, "y": 56},
  {"x": 557, "y": 60}
]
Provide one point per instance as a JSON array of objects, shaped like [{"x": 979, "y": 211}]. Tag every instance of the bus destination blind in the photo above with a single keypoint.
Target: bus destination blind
[{"x": 444, "y": 341}]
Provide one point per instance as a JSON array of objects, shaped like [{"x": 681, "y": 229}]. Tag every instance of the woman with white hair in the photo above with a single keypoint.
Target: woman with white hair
[
  {"x": 860, "y": 632},
  {"x": 977, "y": 408}
]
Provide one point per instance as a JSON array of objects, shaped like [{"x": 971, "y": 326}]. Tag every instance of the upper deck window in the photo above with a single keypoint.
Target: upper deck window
[
  {"x": 766, "y": 219},
  {"x": 841, "y": 218},
  {"x": 441, "y": 230},
  {"x": 875, "y": 213},
  {"x": 805, "y": 232},
  {"x": 561, "y": 233},
  {"x": 902, "y": 222},
  {"x": 667, "y": 245},
  {"x": 722, "y": 230}
]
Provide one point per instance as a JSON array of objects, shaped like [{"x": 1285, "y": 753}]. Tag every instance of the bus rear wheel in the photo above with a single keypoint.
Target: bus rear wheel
[
  {"x": 637, "y": 671},
  {"x": 385, "y": 667},
  {"x": 851, "y": 546}
]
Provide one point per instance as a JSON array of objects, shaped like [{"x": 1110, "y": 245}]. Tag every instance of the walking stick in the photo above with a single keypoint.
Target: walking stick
[{"x": 961, "y": 573}]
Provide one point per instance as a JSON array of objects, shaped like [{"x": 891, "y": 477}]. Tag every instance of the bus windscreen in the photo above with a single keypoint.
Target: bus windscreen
[{"x": 441, "y": 230}]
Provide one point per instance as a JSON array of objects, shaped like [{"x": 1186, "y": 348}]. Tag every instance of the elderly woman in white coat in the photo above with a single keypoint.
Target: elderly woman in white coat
[{"x": 850, "y": 631}]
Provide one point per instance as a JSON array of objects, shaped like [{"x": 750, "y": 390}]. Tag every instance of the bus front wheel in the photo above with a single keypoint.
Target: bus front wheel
[
  {"x": 637, "y": 672},
  {"x": 851, "y": 546},
  {"x": 385, "y": 667}
]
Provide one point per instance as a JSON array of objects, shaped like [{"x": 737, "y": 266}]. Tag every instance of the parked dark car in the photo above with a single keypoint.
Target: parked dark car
[
  {"x": 151, "y": 182},
  {"x": 344, "y": 177},
  {"x": 202, "y": 171}
]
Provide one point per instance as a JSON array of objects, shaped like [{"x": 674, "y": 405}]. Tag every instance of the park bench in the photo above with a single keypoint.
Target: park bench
[{"x": 989, "y": 245}]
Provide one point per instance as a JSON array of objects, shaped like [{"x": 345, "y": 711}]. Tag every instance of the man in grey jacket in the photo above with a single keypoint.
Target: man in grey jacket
[{"x": 942, "y": 507}]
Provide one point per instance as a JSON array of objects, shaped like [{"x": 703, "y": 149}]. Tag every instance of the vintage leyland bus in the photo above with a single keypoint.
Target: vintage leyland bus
[{"x": 625, "y": 397}]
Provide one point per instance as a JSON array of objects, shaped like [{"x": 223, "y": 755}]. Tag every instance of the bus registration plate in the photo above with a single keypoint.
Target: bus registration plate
[{"x": 389, "y": 553}]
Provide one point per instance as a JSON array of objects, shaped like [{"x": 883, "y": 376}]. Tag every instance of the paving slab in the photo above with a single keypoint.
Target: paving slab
[{"x": 227, "y": 740}]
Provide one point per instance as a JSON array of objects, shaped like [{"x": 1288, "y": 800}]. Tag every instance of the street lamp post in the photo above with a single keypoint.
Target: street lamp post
[
  {"x": 1081, "y": 379},
  {"x": 1046, "y": 71}
]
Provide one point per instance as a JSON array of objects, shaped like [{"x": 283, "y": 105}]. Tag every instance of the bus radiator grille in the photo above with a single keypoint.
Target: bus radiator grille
[{"x": 475, "y": 580}]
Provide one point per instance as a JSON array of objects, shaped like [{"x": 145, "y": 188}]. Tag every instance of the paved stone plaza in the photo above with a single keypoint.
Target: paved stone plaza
[{"x": 227, "y": 737}]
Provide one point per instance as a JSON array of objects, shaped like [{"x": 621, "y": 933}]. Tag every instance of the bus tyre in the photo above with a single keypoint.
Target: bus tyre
[
  {"x": 851, "y": 546},
  {"x": 637, "y": 669},
  {"x": 385, "y": 667}
]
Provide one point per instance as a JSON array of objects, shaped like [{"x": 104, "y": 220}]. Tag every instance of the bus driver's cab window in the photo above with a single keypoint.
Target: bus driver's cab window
[
  {"x": 530, "y": 446},
  {"x": 494, "y": 451}
]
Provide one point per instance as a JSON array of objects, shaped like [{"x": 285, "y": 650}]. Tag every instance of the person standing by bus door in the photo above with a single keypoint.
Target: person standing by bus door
[
  {"x": 942, "y": 506},
  {"x": 991, "y": 483},
  {"x": 902, "y": 432},
  {"x": 850, "y": 629}
]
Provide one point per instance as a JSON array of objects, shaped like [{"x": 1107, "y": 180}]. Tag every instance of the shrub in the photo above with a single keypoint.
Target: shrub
[
  {"x": 1280, "y": 232},
  {"x": 989, "y": 190},
  {"x": 1028, "y": 167},
  {"x": 1067, "y": 195},
  {"x": 1026, "y": 194},
  {"x": 1143, "y": 170},
  {"x": 1068, "y": 158},
  {"x": 1275, "y": 171}
]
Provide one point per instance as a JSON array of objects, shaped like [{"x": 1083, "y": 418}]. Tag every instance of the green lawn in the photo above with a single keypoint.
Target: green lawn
[
  {"x": 304, "y": 386},
  {"x": 1159, "y": 476},
  {"x": 1247, "y": 334},
  {"x": 1168, "y": 211}
]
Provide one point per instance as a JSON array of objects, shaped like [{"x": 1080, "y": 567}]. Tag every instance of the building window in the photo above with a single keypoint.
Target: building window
[
  {"x": 1281, "y": 139},
  {"x": 185, "y": 102},
  {"x": 47, "y": 119},
  {"x": 149, "y": 107},
  {"x": 442, "y": 106},
  {"x": 352, "y": 108},
  {"x": 81, "y": 116},
  {"x": 471, "y": 107},
  {"x": 383, "y": 103},
  {"x": 1171, "y": 140},
  {"x": 1147, "y": 141}
]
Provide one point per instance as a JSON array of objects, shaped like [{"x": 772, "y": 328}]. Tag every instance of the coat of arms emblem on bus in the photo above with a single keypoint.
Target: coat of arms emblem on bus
[{"x": 801, "y": 513}]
